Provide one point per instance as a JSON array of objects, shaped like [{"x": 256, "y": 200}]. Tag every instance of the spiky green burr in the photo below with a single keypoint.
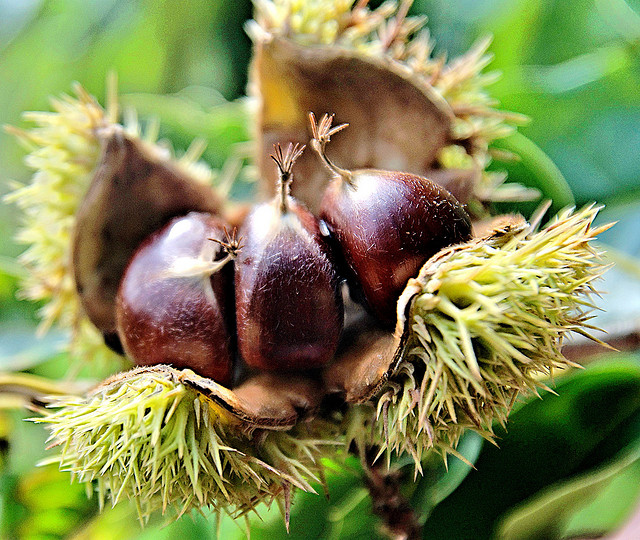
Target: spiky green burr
[
  {"x": 486, "y": 319},
  {"x": 148, "y": 437},
  {"x": 63, "y": 153}
]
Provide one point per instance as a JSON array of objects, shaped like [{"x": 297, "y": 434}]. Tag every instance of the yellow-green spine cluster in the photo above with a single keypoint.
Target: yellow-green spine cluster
[
  {"x": 64, "y": 150},
  {"x": 487, "y": 322},
  {"x": 149, "y": 438}
]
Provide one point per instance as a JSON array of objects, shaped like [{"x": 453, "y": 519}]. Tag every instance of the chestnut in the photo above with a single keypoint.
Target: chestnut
[
  {"x": 386, "y": 223},
  {"x": 134, "y": 191},
  {"x": 175, "y": 304},
  {"x": 289, "y": 312}
]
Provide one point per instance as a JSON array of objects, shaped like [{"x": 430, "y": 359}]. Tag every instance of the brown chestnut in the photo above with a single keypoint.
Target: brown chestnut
[
  {"x": 134, "y": 192},
  {"x": 175, "y": 304},
  {"x": 386, "y": 223},
  {"x": 289, "y": 312}
]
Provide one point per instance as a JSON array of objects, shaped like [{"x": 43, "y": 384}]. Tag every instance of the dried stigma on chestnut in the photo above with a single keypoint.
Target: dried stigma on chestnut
[
  {"x": 175, "y": 303},
  {"x": 289, "y": 312},
  {"x": 387, "y": 224}
]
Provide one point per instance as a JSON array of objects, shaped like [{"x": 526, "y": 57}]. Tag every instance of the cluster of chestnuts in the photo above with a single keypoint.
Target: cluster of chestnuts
[
  {"x": 196, "y": 295},
  {"x": 352, "y": 313}
]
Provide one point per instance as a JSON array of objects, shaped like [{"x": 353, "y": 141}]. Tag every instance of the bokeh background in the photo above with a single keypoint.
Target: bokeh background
[{"x": 569, "y": 465}]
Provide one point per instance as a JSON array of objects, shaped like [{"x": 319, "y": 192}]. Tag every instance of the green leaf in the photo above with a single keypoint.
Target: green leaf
[
  {"x": 27, "y": 443},
  {"x": 536, "y": 170},
  {"x": 346, "y": 514},
  {"x": 580, "y": 70},
  {"x": 11, "y": 267},
  {"x": 43, "y": 503},
  {"x": 595, "y": 414},
  {"x": 20, "y": 349},
  {"x": 610, "y": 508},
  {"x": 547, "y": 514},
  {"x": 439, "y": 480}
]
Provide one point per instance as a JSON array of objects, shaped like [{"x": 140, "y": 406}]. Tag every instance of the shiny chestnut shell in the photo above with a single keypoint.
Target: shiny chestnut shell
[
  {"x": 135, "y": 190},
  {"x": 170, "y": 309},
  {"x": 387, "y": 225},
  {"x": 289, "y": 312}
]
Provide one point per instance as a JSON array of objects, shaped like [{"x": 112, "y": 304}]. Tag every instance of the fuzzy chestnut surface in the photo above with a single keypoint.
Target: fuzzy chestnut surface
[
  {"x": 289, "y": 311},
  {"x": 175, "y": 302}
]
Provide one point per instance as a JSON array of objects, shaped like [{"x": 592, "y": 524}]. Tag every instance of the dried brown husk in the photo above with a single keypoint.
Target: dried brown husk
[
  {"x": 396, "y": 122},
  {"x": 408, "y": 109}
]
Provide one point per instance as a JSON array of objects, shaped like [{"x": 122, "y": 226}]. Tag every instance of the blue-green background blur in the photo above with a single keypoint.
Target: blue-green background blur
[{"x": 568, "y": 465}]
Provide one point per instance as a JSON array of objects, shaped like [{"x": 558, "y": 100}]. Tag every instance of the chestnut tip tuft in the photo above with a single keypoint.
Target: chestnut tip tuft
[
  {"x": 231, "y": 245},
  {"x": 322, "y": 132},
  {"x": 284, "y": 161}
]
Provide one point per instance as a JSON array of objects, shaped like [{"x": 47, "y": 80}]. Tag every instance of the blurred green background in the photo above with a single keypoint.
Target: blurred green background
[{"x": 569, "y": 465}]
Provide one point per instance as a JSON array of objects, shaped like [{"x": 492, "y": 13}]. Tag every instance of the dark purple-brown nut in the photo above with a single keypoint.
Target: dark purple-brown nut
[
  {"x": 135, "y": 191},
  {"x": 289, "y": 312},
  {"x": 175, "y": 301},
  {"x": 387, "y": 224}
]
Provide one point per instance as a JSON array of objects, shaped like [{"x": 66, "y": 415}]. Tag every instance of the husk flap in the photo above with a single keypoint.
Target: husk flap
[
  {"x": 396, "y": 121},
  {"x": 267, "y": 401}
]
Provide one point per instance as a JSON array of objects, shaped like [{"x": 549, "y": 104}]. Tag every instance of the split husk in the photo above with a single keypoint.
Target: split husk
[
  {"x": 67, "y": 148},
  {"x": 478, "y": 326},
  {"x": 150, "y": 436},
  {"x": 407, "y": 110},
  {"x": 482, "y": 323}
]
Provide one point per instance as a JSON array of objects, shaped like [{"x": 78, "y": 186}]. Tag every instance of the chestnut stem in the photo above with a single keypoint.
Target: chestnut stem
[
  {"x": 284, "y": 188},
  {"x": 322, "y": 132},
  {"x": 401, "y": 521},
  {"x": 284, "y": 161}
]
